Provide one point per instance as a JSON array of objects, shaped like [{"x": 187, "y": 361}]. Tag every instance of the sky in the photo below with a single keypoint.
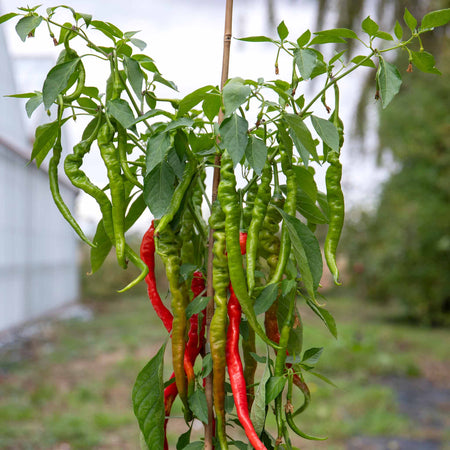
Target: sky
[{"x": 185, "y": 39}]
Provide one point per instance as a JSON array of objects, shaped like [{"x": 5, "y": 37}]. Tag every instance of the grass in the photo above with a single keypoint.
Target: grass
[{"x": 75, "y": 388}]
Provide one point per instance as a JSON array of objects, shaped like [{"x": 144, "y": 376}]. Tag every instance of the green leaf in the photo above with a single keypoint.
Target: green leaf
[
  {"x": 159, "y": 79},
  {"x": 323, "y": 203},
  {"x": 91, "y": 92},
  {"x": 322, "y": 377},
  {"x": 338, "y": 32},
  {"x": 134, "y": 75},
  {"x": 184, "y": 439},
  {"x": 256, "y": 39},
  {"x": 258, "y": 411},
  {"x": 306, "y": 251},
  {"x": 282, "y": 31},
  {"x": 424, "y": 61},
  {"x": 7, "y": 17},
  {"x": 369, "y": 26},
  {"x": 151, "y": 113},
  {"x": 305, "y": 181},
  {"x": 198, "y": 405},
  {"x": 398, "y": 30},
  {"x": 24, "y": 95},
  {"x": 235, "y": 93},
  {"x": 306, "y": 60},
  {"x": 56, "y": 81},
  {"x": 368, "y": 62},
  {"x": 33, "y": 104},
  {"x": 266, "y": 298},
  {"x": 44, "y": 139},
  {"x": 256, "y": 154},
  {"x": 317, "y": 40},
  {"x": 158, "y": 189},
  {"x": 107, "y": 29},
  {"x": 389, "y": 81},
  {"x": 383, "y": 35},
  {"x": 102, "y": 247},
  {"x": 193, "y": 99},
  {"x": 26, "y": 25},
  {"x": 121, "y": 111},
  {"x": 240, "y": 445},
  {"x": 138, "y": 43},
  {"x": 197, "y": 445},
  {"x": 86, "y": 102},
  {"x": 434, "y": 19},
  {"x": 175, "y": 163},
  {"x": 211, "y": 105},
  {"x": 304, "y": 38},
  {"x": 312, "y": 355},
  {"x": 336, "y": 57},
  {"x": 148, "y": 401},
  {"x": 325, "y": 316},
  {"x": 410, "y": 20},
  {"x": 327, "y": 131},
  {"x": 197, "y": 305},
  {"x": 184, "y": 122},
  {"x": 135, "y": 211},
  {"x": 146, "y": 63},
  {"x": 233, "y": 132},
  {"x": 87, "y": 18},
  {"x": 307, "y": 208},
  {"x": 274, "y": 387},
  {"x": 206, "y": 365},
  {"x": 301, "y": 136}
]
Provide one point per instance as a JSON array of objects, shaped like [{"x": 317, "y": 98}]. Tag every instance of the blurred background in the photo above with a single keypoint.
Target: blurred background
[{"x": 70, "y": 347}]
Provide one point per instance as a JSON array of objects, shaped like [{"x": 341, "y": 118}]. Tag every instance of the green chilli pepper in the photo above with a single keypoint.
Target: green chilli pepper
[
  {"x": 249, "y": 202},
  {"x": 177, "y": 197},
  {"x": 168, "y": 248},
  {"x": 122, "y": 151},
  {"x": 218, "y": 327},
  {"x": 335, "y": 199},
  {"x": 110, "y": 157},
  {"x": 290, "y": 208},
  {"x": 290, "y": 414},
  {"x": 54, "y": 187},
  {"x": 229, "y": 201},
  {"x": 335, "y": 196},
  {"x": 72, "y": 168},
  {"x": 261, "y": 201}
]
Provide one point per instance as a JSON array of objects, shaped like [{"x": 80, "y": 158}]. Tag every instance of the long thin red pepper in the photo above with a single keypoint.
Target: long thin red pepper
[
  {"x": 196, "y": 339},
  {"x": 236, "y": 371},
  {"x": 147, "y": 252},
  {"x": 170, "y": 394}
]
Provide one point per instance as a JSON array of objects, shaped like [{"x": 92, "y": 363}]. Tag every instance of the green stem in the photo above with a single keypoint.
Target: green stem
[{"x": 334, "y": 81}]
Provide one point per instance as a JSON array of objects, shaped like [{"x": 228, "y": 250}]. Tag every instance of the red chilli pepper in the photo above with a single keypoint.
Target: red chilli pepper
[
  {"x": 147, "y": 252},
  {"x": 236, "y": 371},
  {"x": 170, "y": 393},
  {"x": 243, "y": 242},
  {"x": 196, "y": 339}
]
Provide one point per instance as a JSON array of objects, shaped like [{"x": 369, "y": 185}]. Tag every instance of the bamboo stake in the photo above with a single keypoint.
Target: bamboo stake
[{"x": 209, "y": 428}]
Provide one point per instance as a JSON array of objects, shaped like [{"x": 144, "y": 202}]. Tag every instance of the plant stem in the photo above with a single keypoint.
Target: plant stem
[
  {"x": 333, "y": 81},
  {"x": 209, "y": 431}
]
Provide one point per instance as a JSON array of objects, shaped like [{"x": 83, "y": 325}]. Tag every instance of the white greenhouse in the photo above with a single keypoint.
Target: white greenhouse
[{"x": 38, "y": 250}]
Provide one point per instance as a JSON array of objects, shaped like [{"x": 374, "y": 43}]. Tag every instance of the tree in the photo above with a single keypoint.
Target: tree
[{"x": 405, "y": 249}]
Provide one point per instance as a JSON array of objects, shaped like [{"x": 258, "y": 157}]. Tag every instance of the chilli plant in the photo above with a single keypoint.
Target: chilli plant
[{"x": 252, "y": 264}]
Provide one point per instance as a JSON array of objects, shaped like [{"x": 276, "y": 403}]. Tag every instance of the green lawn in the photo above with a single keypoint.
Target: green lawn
[{"x": 73, "y": 389}]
